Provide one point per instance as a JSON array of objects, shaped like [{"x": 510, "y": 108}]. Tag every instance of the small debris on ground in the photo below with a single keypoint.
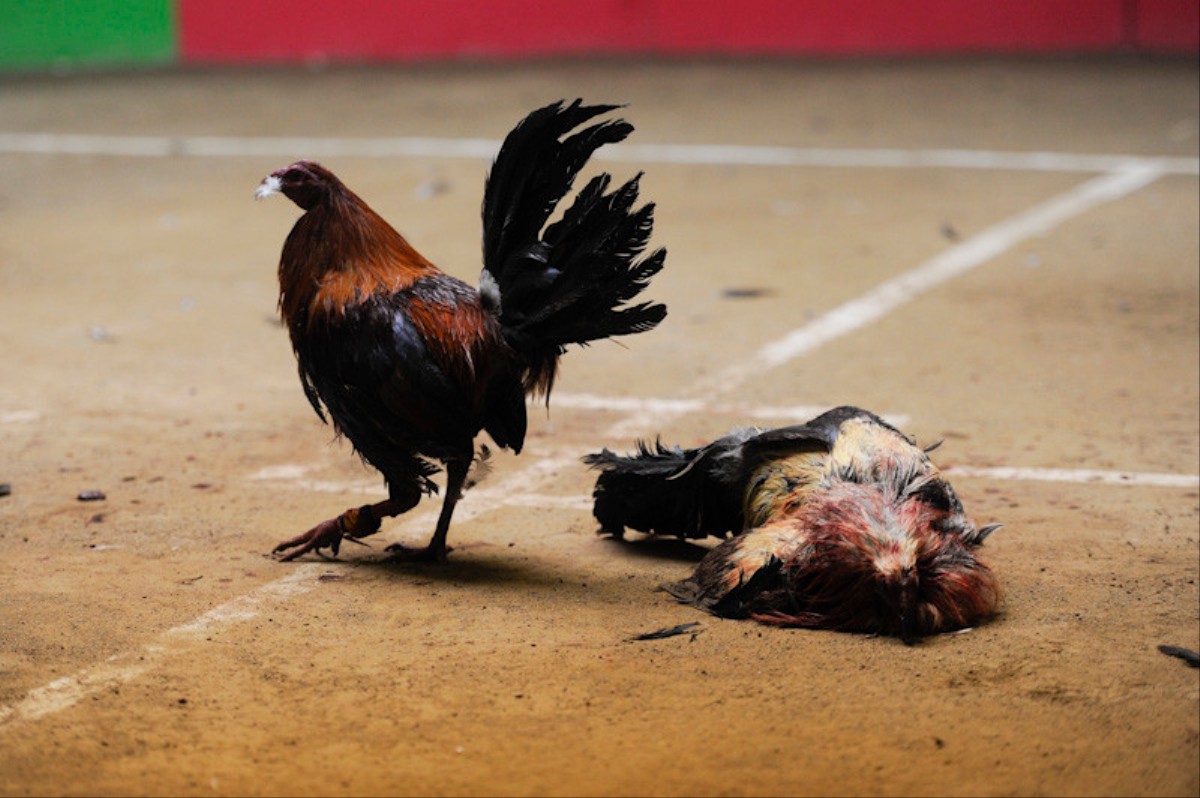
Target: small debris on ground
[
  {"x": 432, "y": 187},
  {"x": 746, "y": 293},
  {"x": 5, "y": 488},
  {"x": 1192, "y": 658},
  {"x": 670, "y": 631},
  {"x": 91, "y": 496}
]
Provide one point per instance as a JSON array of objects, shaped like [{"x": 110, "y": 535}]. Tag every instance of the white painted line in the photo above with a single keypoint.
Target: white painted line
[
  {"x": 626, "y": 404},
  {"x": 250, "y": 605},
  {"x": 793, "y": 414},
  {"x": 735, "y": 155},
  {"x": 486, "y": 496},
  {"x": 417, "y": 147},
  {"x": 67, "y": 691},
  {"x": 514, "y": 490},
  {"x": 363, "y": 487},
  {"x": 1080, "y": 475},
  {"x": 546, "y": 500},
  {"x": 478, "y": 500},
  {"x": 953, "y": 262},
  {"x": 285, "y": 471},
  {"x": 293, "y": 475},
  {"x": 86, "y": 144},
  {"x": 485, "y": 149}
]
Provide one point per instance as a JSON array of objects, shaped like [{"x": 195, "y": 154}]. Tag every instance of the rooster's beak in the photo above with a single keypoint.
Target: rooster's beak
[
  {"x": 270, "y": 184},
  {"x": 984, "y": 531}
]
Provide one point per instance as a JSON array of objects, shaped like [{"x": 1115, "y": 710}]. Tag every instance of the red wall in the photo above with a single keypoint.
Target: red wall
[
  {"x": 1166, "y": 25},
  {"x": 871, "y": 26},
  {"x": 384, "y": 30}
]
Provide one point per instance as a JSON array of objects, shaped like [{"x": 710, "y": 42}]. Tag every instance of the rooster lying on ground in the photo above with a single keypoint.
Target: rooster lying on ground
[
  {"x": 840, "y": 523},
  {"x": 410, "y": 363}
]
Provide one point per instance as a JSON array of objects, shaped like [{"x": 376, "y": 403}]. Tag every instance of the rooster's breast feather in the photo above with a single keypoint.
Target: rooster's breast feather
[{"x": 389, "y": 380}]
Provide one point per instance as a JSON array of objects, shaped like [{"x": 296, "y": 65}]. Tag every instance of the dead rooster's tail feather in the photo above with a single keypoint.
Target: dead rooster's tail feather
[
  {"x": 690, "y": 493},
  {"x": 566, "y": 283}
]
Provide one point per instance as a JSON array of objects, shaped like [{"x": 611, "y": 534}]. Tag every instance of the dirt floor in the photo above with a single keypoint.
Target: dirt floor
[{"x": 149, "y": 646}]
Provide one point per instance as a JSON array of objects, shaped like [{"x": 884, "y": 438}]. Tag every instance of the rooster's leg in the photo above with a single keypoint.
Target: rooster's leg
[
  {"x": 357, "y": 522},
  {"x": 456, "y": 477}
]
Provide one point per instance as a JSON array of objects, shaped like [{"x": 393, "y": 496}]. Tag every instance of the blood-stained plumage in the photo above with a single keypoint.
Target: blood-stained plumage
[
  {"x": 840, "y": 523},
  {"x": 411, "y": 364}
]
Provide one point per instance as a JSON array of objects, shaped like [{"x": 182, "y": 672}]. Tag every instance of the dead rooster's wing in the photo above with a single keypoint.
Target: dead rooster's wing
[{"x": 731, "y": 578}]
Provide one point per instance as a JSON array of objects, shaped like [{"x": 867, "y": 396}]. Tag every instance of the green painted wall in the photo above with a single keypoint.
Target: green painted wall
[{"x": 39, "y": 33}]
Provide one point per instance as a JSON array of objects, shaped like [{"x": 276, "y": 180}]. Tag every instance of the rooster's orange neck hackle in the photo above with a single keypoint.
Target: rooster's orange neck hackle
[{"x": 340, "y": 252}]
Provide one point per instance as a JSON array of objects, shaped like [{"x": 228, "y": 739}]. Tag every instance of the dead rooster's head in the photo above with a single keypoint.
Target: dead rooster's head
[{"x": 883, "y": 557}]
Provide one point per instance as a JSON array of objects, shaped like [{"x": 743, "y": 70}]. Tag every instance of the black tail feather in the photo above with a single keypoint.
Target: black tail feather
[
  {"x": 690, "y": 493},
  {"x": 569, "y": 283},
  {"x": 534, "y": 170}
]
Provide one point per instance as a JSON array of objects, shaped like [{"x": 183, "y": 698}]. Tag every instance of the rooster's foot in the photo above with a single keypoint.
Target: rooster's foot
[
  {"x": 401, "y": 553},
  {"x": 327, "y": 534},
  {"x": 354, "y": 523}
]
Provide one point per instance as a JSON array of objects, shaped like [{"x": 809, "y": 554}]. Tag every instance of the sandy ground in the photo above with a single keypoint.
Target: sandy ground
[{"x": 148, "y": 645}]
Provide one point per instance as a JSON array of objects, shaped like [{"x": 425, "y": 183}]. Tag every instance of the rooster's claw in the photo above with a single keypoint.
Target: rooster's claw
[
  {"x": 398, "y": 552},
  {"x": 325, "y": 534}
]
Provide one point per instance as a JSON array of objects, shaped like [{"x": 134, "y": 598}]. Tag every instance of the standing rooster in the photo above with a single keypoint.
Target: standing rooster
[
  {"x": 840, "y": 523},
  {"x": 411, "y": 364}
]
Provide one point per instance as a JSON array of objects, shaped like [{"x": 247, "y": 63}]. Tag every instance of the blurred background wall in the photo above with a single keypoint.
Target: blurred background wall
[{"x": 36, "y": 34}]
